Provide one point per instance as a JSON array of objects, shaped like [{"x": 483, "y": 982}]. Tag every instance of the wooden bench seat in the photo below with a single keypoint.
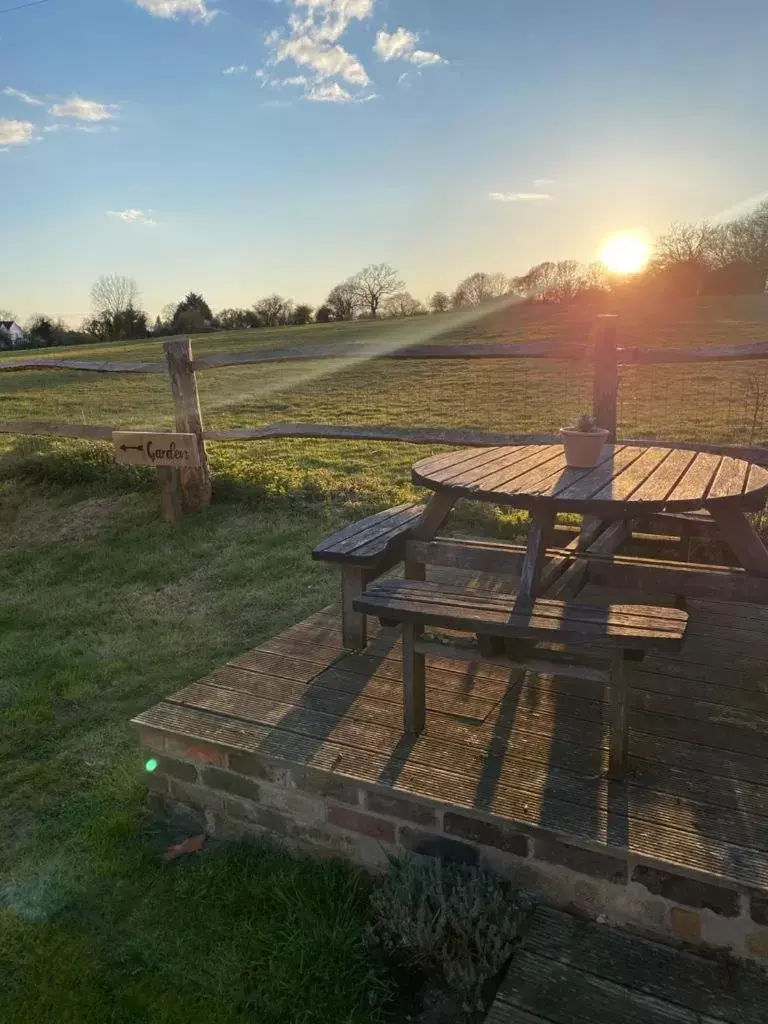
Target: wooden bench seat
[
  {"x": 629, "y": 626},
  {"x": 623, "y": 628},
  {"x": 363, "y": 551}
]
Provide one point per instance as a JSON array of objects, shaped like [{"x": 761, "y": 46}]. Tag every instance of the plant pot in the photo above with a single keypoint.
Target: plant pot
[{"x": 583, "y": 449}]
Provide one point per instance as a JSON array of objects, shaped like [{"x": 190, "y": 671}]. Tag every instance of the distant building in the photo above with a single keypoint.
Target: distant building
[{"x": 13, "y": 332}]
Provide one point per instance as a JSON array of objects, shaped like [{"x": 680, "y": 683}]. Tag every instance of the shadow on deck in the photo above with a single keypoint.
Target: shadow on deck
[{"x": 304, "y": 739}]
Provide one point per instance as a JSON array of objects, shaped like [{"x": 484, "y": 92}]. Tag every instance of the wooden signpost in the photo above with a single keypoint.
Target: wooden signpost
[{"x": 166, "y": 453}]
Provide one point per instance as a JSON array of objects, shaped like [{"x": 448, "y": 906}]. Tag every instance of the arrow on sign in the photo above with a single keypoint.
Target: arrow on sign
[{"x": 131, "y": 447}]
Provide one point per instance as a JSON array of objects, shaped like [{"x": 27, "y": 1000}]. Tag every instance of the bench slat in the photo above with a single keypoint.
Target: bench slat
[
  {"x": 629, "y": 626},
  {"x": 362, "y": 543}
]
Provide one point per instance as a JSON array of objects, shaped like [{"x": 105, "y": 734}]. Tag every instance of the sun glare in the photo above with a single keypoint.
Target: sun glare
[{"x": 625, "y": 253}]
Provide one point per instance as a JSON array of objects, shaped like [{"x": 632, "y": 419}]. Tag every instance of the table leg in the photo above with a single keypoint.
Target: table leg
[
  {"x": 742, "y": 537},
  {"x": 434, "y": 515},
  {"x": 535, "y": 553}
]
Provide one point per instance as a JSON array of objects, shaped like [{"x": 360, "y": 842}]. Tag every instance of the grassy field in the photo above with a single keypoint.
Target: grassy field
[
  {"x": 104, "y": 610},
  {"x": 715, "y": 402}
]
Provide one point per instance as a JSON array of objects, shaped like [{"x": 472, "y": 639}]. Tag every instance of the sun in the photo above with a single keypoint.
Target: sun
[{"x": 626, "y": 253}]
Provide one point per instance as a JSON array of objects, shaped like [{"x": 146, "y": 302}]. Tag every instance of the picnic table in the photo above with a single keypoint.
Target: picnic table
[{"x": 630, "y": 482}]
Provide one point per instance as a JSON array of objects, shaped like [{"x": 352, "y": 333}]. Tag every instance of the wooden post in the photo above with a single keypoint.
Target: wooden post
[
  {"x": 195, "y": 483},
  {"x": 169, "y": 485},
  {"x": 606, "y": 379}
]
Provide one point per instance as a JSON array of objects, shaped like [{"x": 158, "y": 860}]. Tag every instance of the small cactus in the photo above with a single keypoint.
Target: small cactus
[{"x": 586, "y": 423}]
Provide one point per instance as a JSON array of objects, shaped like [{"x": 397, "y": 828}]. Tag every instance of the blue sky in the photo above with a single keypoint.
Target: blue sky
[{"x": 355, "y": 131}]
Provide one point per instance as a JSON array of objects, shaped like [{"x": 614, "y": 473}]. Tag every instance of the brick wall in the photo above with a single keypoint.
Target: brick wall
[{"x": 233, "y": 794}]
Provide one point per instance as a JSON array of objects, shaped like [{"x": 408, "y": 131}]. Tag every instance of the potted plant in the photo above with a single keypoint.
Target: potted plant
[{"x": 584, "y": 442}]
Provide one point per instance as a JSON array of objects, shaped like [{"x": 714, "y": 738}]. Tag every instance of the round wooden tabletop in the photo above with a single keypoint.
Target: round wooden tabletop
[{"x": 627, "y": 481}]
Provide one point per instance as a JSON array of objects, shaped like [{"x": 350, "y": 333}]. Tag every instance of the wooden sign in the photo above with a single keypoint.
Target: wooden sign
[{"x": 174, "y": 451}]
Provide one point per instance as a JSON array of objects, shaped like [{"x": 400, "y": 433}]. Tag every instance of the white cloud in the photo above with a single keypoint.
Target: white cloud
[
  {"x": 327, "y": 20},
  {"x": 197, "y": 10},
  {"x": 83, "y": 110},
  {"x": 328, "y": 93},
  {"x": 394, "y": 45},
  {"x": 236, "y": 69},
  {"x": 424, "y": 57},
  {"x": 15, "y": 133},
  {"x": 325, "y": 61},
  {"x": 88, "y": 129},
  {"x": 33, "y": 101},
  {"x": 134, "y": 217},
  {"x": 401, "y": 45},
  {"x": 543, "y": 182},
  {"x": 518, "y": 197},
  {"x": 311, "y": 41}
]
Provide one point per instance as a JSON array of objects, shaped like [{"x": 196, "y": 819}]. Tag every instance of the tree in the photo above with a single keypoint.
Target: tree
[
  {"x": 238, "y": 319},
  {"x": 556, "y": 282},
  {"x": 189, "y": 321},
  {"x": 373, "y": 283},
  {"x": 193, "y": 303},
  {"x": 401, "y": 304},
  {"x": 479, "y": 288},
  {"x": 439, "y": 302},
  {"x": 343, "y": 300},
  {"x": 41, "y": 328},
  {"x": 114, "y": 294},
  {"x": 324, "y": 315},
  {"x": 302, "y": 314},
  {"x": 6, "y": 314},
  {"x": 128, "y": 324},
  {"x": 273, "y": 311}
]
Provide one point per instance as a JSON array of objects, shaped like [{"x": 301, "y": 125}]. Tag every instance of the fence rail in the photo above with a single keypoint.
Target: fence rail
[
  {"x": 631, "y": 356},
  {"x": 604, "y": 355}
]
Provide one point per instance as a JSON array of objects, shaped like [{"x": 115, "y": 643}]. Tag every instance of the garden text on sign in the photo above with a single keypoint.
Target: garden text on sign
[{"x": 140, "y": 448}]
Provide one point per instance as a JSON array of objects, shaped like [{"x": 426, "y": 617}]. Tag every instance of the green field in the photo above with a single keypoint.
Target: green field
[{"x": 104, "y": 610}]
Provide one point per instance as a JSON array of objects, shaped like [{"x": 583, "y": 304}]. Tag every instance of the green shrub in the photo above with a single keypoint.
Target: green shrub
[{"x": 460, "y": 921}]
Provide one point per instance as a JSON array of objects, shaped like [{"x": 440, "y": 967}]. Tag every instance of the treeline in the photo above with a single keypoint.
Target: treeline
[{"x": 690, "y": 259}]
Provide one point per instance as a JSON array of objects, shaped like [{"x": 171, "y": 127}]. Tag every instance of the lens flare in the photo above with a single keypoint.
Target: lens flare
[{"x": 151, "y": 765}]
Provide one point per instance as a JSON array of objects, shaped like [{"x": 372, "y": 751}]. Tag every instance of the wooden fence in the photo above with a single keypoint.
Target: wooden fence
[{"x": 603, "y": 353}]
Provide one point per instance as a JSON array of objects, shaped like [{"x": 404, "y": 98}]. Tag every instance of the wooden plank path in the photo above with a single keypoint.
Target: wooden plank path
[{"x": 571, "y": 971}]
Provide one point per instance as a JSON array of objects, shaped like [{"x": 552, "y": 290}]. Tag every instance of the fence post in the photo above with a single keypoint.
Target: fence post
[
  {"x": 195, "y": 483},
  {"x": 606, "y": 378}
]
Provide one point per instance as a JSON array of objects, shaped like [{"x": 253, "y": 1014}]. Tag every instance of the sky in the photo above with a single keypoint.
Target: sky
[{"x": 243, "y": 147}]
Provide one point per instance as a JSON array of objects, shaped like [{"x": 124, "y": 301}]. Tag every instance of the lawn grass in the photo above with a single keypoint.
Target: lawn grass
[{"x": 104, "y": 610}]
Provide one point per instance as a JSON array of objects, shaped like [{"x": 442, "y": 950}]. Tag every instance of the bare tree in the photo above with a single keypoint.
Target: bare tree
[
  {"x": 375, "y": 282},
  {"x": 402, "y": 304},
  {"x": 479, "y": 288},
  {"x": 6, "y": 314},
  {"x": 343, "y": 300},
  {"x": 439, "y": 302},
  {"x": 114, "y": 294},
  {"x": 273, "y": 311}
]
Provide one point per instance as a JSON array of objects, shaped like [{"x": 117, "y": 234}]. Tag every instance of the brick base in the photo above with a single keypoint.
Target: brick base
[{"x": 232, "y": 794}]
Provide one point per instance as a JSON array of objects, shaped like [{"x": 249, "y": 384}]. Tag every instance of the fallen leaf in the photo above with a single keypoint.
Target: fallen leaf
[{"x": 192, "y": 845}]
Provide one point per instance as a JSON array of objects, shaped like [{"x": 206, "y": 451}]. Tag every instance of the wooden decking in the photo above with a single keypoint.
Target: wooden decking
[
  {"x": 530, "y": 750},
  {"x": 571, "y": 971}
]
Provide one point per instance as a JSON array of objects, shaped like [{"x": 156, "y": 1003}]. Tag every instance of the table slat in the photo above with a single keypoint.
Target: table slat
[
  {"x": 664, "y": 479},
  {"x": 622, "y": 486},
  {"x": 503, "y": 477},
  {"x": 697, "y": 479},
  {"x": 599, "y": 477},
  {"x": 449, "y": 472},
  {"x": 730, "y": 478}
]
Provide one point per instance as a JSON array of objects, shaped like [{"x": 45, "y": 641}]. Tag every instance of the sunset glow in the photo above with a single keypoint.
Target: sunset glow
[{"x": 625, "y": 253}]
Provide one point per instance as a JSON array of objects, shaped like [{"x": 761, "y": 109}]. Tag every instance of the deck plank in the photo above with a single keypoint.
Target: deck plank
[
  {"x": 564, "y": 995},
  {"x": 704, "y": 986}
]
